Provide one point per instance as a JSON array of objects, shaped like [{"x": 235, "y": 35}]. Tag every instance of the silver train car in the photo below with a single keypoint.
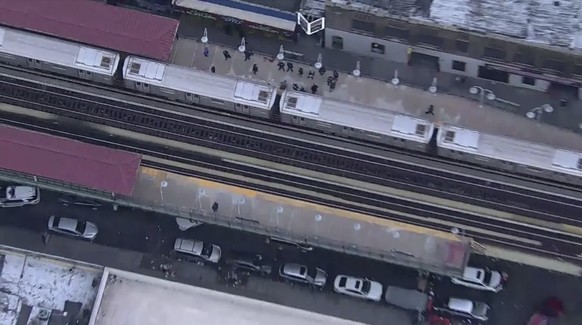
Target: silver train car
[
  {"x": 192, "y": 86},
  {"x": 355, "y": 121},
  {"x": 509, "y": 154},
  {"x": 23, "y": 49}
]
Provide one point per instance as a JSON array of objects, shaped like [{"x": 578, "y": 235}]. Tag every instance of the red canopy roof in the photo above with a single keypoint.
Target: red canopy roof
[
  {"x": 70, "y": 161},
  {"x": 94, "y": 23}
]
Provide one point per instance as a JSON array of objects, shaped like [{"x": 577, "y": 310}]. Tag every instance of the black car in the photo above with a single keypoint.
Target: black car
[
  {"x": 251, "y": 262},
  {"x": 67, "y": 200}
]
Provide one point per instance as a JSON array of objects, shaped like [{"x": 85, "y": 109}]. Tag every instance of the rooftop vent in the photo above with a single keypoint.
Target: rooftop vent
[
  {"x": 291, "y": 102},
  {"x": 134, "y": 68},
  {"x": 105, "y": 62},
  {"x": 263, "y": 96},
  {"x": 420, "y": 129},
  {"x": 449, "y": 136}
]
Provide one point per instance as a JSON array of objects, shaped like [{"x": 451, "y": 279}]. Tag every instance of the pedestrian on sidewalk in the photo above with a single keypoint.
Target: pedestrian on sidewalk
[
  {"x": 430, "y": 110},
  {"x": 247, "y": 55},
  {"x": 206, "y": 51},
  {"x": 322, "y": 71},
  {"x": 314, "y": 89},
  {"x": 311, "y": 74},
  {"x": 335, "y": 74},
  {"x": 281, "y": 66},
  {"x": 212, "y": 69},
  {"x": 329, "y": 80},
  {"x": 226, "y": 55},
  {"x": 300, "y": 71},
  {"x": 255, "y": 68},
  {"x": 289, "y": 66}
]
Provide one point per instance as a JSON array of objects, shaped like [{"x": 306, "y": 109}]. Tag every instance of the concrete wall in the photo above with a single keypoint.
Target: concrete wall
[{"x": 398, "y": 52}]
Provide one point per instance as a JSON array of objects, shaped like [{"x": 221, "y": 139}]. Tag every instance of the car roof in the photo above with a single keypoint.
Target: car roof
[
  {"x": 67, "y": 223},
  {"x": 21, "y": 192},
  {"x": 458, "y": 304},
  {"x": 294, "y": 269},
  {"x": 473, "y": 273},
  {"x": 188, "y": 245}
]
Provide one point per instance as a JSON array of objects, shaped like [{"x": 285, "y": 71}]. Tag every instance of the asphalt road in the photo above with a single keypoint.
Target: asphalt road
[{"x": 153, "y": 236}]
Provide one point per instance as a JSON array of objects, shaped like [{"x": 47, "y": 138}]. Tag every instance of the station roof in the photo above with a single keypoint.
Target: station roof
[
  {"x": 70, "y": 161},
  {"x": 94, "y": 23}
]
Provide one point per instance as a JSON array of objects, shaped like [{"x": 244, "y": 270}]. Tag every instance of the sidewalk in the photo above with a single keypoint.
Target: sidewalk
[{"x": 567, "y": 117}]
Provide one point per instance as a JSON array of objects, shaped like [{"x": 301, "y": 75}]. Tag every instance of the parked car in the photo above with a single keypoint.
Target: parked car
[
  {"x": 67, "y": 200},
  {"x": 409, "y": 299},
  {"x": 465, "y": 308},
  {"x": 301, "y": 273},
  {"x": 208, "y": 252},
  {"x": 185, "y": 223},
  {"x": 73, "y": 227},
  {"x": 282, "y": 242},
  {"x": 19, "y": 195},
  {"x": 481, "y": 279},
  {"x": 251, "y": 262},
  {"x": 358, "y": 287}
]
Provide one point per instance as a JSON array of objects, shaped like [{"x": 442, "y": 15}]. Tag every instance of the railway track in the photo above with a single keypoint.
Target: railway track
[
  {"x": 335, "y": 161},
  {"x": 506, "y": 233}
]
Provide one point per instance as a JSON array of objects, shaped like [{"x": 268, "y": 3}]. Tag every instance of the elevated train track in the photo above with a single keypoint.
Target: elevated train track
[
  {"x": 292, "y": 152},
  {"x": 484, "y": 229}
]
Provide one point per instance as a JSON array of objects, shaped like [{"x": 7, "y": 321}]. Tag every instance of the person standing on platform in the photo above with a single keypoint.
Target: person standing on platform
[
  {"x": 212, "y": 69},
  {"x": 226, "y": 55},
  {"x": 255, "y": 69},
  {"x": 300, "y": 71},
  {"x": 430, "y": 110},
  {"x": 247, "y": 55},
  {"x": 206, "y": 51},
  {"x": 314, "y": 89},
  {"x": 322, "y": 71},
  {"x": 311, "y": 74},
  {"x": 281, "y": 66},
  {"x": 289, "y": 66}
]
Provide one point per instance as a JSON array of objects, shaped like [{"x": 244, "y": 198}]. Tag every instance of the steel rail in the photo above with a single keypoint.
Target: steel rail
[
  {"x": 497, "y": 232},
  {"x": 257, "y": 144}
]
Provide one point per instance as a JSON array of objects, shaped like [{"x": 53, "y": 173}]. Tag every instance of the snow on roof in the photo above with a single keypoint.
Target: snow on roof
[
  {"x": 41, "y": 283},
  {"x": 552, "y": 22}
]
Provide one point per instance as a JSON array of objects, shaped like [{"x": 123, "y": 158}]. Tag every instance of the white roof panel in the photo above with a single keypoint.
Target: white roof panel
[
  {"x": 361, "y": 117},
  {"x": 510, "y": 149},
  {"x": 142, "y": 70},
  {"x": 58, "y": 52}
]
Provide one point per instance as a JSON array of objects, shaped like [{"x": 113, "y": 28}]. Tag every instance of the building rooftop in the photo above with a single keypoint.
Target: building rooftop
[
  {"x": 129, "y": 298},
  {"x": 70, "y": 161},
  {"x": 33, "y": 288},
  {"x": 551, "y": 22}
]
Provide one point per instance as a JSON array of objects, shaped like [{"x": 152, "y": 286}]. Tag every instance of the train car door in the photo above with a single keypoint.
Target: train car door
[
  {"x": 87, "y": 75},
  {"x": 142, "y": 86}
]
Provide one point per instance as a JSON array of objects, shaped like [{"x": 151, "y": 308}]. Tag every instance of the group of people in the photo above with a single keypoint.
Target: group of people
[{"x": 287, "y": 67}]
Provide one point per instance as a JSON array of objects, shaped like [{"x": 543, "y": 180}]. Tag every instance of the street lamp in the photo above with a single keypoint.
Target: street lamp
[
  {"x": 485, "y": 93},
  {"x": 204, "y": 38},
  {"x": 537, "y": 112},
  {"x": 281, "y": 54},
  {"x": 319, "y": 63}
]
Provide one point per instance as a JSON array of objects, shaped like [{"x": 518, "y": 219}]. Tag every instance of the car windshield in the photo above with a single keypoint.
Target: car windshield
[
  {"x": 81, "y": 226},
  {"x": 206, "y": 250},
  {"x": 366, "y": 285},
  {"x": 487, "y": 277}
]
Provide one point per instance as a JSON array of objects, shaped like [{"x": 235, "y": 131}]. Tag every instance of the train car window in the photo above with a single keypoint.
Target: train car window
[{"x": 217, "y": 101}]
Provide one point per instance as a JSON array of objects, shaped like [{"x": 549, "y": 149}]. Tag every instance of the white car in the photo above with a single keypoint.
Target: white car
[
  {"x": 481, "y": 279},
  {"x": 73, "y": 227},
  {"x": 209, "y": 252},
  {"x": 19, "y": 195},
  {"x": 358, "y": 287},
  {"x": 465, "y": 308},
  {"x": 301, "y": 273}
]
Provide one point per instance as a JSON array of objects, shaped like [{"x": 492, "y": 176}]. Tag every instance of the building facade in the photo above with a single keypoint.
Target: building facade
[{"x": 371, "y": 31}]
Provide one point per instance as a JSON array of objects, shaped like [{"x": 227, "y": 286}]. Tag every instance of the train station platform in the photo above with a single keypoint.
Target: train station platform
[
  {"x": 303, "y": 222},
  {"x": 372, "y": 92}
]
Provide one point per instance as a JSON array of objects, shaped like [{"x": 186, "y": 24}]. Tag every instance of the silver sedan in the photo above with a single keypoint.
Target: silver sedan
[{"x": 73, "y": 227}]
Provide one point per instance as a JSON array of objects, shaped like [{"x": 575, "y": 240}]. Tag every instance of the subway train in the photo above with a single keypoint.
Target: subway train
[{"x": 191, "y": 86}]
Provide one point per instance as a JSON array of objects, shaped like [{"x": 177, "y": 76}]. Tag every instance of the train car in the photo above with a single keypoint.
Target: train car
[
  {"x": 508, "y": 154},
  {"x": 193, "y": 86},
  {"x": 355, "y": 121},
  {"x": 23, "y": 49}
]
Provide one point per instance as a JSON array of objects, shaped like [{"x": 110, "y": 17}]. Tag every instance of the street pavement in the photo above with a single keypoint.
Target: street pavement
[
  {"x": 310, "y": 47},
  {"x": 137, "y": 241}
]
